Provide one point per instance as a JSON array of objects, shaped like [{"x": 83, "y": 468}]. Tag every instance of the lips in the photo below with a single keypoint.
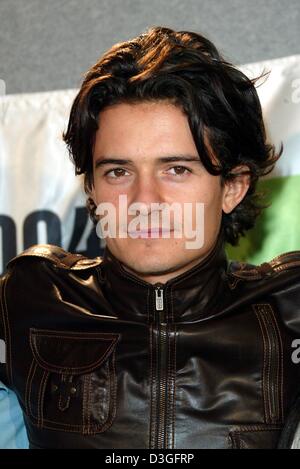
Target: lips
[{"x": 151, "y": 232}]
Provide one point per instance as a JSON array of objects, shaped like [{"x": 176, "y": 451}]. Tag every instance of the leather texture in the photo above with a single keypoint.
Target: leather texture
[{"x": 101, "y": 359}]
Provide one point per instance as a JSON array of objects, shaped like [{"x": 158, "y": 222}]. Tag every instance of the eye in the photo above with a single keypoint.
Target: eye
[
  {"x": 180, "y": 170},
  {"x": 116, "y": 173}
]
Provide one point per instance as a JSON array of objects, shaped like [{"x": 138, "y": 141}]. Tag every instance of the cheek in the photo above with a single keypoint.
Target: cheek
[
  {"x": 209, "y": 193},
  {"x": 104, "y": 193},
  {"x": 212, "y": 199},
  {"x": 114, "y": 204}
]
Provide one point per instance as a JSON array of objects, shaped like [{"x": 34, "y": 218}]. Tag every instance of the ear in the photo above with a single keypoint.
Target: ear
[
  {"x": 91, "y": 204},
  {"x": 92, "y": 200},
  {"x": 236, "y": 188}
]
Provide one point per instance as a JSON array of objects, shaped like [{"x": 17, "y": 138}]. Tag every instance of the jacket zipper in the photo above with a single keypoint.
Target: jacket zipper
[{"x": 162, "y": 366}]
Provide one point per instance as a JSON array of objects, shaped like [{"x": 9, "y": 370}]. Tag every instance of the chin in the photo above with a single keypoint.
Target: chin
[
  {"x": 152, "y": 256},
  {"x": 149, "y": 268},
  {"x": 154, "y": 263}
]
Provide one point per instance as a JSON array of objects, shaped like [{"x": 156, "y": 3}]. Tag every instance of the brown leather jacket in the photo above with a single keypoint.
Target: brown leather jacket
[{"x": 101, "y": 359}]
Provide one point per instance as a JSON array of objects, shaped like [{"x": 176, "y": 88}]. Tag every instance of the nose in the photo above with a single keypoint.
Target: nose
[{"x": 147, "y": 191}]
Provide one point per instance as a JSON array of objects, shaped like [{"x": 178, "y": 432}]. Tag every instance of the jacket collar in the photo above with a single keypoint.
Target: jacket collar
[{"x": 195, "y": 294}]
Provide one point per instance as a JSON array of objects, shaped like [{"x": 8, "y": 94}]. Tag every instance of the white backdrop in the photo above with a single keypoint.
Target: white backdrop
[{"x": 41, "y": 200}]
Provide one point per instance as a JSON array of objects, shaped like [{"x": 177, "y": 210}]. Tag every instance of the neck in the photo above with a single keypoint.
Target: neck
[
  {"x": 196, "y": 292},
  {"x": 163, "y": 277}
]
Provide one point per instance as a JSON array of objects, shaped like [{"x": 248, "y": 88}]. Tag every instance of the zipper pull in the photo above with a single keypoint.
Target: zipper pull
[{"x": 159, "y": 299}]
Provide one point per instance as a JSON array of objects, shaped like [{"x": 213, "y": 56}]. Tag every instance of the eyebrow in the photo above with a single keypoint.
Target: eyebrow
[{"x": 164, "y": 159}]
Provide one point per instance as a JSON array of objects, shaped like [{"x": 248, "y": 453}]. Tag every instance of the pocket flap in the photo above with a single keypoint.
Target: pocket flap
[{"x": 71, "y": 352}]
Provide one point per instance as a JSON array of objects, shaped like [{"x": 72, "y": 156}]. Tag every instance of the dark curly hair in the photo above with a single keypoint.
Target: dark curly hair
[{"x": 220, "y": 102}]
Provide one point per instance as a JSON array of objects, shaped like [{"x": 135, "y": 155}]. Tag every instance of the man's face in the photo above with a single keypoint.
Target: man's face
[{"x": 151, "y": 140}]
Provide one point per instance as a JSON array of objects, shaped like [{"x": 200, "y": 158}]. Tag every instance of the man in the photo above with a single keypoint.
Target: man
[{"x": 163, "y": 342}]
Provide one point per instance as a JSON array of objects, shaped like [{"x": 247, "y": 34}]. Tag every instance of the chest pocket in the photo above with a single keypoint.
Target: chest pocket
[{"x": 71, "y": 384}]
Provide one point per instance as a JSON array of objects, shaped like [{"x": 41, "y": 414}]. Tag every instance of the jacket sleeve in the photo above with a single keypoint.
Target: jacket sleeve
[{"x": 3, "y": 355}]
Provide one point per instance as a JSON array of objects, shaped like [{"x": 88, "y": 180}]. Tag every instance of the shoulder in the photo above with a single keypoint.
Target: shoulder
[
  {"x": 275, "y": 273},
  {"x": 285, "y": 262},
  {"x": 275, "y": 283},
  {"x": 55, "y": 256},
  {"x": 41, "y": 273}
]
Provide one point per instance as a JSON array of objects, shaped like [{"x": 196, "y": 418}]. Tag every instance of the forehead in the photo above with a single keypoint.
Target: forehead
[
  {"x": 145, "y": 128},
  {"x": 160, "y": 109}
]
